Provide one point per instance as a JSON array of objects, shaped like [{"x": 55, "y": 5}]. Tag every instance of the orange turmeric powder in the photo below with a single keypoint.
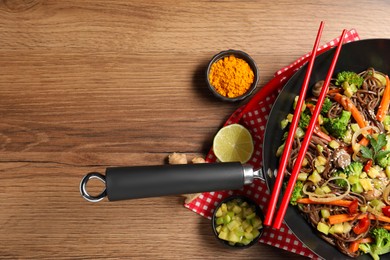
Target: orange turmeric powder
[{"x": 231, "y": 77}]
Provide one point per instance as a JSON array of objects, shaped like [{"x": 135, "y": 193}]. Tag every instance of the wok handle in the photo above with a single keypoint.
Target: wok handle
[{"x": 153, "y": 181}]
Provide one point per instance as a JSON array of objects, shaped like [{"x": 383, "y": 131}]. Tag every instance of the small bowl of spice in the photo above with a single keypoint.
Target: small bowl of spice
[
  {"x": 232, "y": 75},
  {"x": 237, "y": 222}
]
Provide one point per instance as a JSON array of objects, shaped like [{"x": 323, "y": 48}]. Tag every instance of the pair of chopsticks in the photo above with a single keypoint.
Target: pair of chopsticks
[{"x": 290, "y": 138}]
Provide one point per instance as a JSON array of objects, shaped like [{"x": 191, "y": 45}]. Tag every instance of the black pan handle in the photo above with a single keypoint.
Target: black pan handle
[{"x": 153, "y": 181}]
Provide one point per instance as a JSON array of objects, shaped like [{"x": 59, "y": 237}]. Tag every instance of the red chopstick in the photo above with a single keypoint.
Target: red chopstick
[
  {"x": 291, "y": 134},
  {"x": 306, "y": 140}
]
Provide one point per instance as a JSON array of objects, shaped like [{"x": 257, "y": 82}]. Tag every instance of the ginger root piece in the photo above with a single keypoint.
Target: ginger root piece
[
  {"x": 176, "y": 158},
  {"x": 198, "y": 160}
]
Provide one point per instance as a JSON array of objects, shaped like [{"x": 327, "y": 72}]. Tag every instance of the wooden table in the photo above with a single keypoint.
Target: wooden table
[{"x": 89, "y": 84}]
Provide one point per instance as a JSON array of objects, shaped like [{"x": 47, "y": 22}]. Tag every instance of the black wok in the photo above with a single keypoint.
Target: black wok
[{"x": 355, "y": 56}]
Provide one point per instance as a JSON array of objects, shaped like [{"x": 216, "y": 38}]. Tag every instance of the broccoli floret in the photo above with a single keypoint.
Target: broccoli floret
[
  {"x": 382, "y": 241},
  {"x": 350, "y": 77},
  {"x": 381, "y": 245},
  {"x": 297, "y": 193},
  {"x": 338, "y": 126},
  {"x": 340, "y": 182},
  {"x": 367, "y": 249},
  {"x": 304, "y": 121},
  {"x": 355, "y": 168},
  {"x": 350, "y": 81},
  {"x": 326, "y": 106},
  {"x": 383, "y": 161}
]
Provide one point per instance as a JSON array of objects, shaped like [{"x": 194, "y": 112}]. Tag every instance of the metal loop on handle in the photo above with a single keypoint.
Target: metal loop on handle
[{"x": 83, "y": 187}]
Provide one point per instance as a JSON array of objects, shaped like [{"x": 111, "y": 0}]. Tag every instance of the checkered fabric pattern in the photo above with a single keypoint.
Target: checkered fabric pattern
[{"x": 254, "y": 116}]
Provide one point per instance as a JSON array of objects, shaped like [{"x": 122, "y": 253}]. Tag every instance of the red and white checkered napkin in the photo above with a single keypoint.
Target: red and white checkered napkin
[{"x": 254, "y": 116}]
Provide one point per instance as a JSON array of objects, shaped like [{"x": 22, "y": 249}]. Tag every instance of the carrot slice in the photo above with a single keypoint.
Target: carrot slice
[
  {"x": 364, "y": 141},
  {"x": 340, "y": 218},
  {"x": 342, "y": 203},
  {"x": 334, "y": 90},
  {"x": 320, "y": 133},
  {"x": 354, "y": 246},
  {"x": 380, "y": 218},
  {"x": 387, "y": 227},
  {"x": 384, "y": 105}
]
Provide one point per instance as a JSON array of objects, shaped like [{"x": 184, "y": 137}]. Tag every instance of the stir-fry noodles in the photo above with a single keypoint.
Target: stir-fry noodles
[{"x": 344, "y": 184}]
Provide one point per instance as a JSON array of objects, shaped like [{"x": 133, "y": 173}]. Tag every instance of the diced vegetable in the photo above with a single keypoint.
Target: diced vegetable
[
  {"x": 232, "y": 225},
  {"x": 334, "y": 144},
  {"x": 256, "y": 222},
  {"x": 319, "y": 191},
  {"x": 325, "y": 213},
  {"x": 326, "y": 189},
  {"x": 346, "y": 227},
  {"x": 302, "y": 176},
  {"x": 373, "y": 172},
  {"x": 255, "y": 232},
  {"x": 353, "y": 179},
  {"x": 337, "y": 228},
  {"x": 377, "y": 205},
  {"x": 322, "y": 227},
  {"x": 386, "y": 123},
  {"x": 381, "y": 78},
  {"x": 355, "y": 127},
  {"x": 357, "y": 187},
  {"x": 284, "y": 123},
  {"x": 236, "y": 209},
  {"x": 219, "y": 221},
  {"x": 299, "y": 133},
  {"x": 219, "y": 213},
  {"x": 315, "y": 177},
  {"x": 280, "y": 150},
  {"x": 223, "y": 235},
  {"x": 366, "y": 184}
]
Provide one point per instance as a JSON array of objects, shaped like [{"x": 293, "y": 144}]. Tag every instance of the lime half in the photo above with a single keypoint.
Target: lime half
[{"x": 233, "y": 143}]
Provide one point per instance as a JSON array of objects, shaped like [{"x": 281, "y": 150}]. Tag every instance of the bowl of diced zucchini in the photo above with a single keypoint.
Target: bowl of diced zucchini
[{"x": 238, "y": 222}]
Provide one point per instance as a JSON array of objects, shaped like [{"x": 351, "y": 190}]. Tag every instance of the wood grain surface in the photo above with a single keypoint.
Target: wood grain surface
[{"x": 89, "y": 84}]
